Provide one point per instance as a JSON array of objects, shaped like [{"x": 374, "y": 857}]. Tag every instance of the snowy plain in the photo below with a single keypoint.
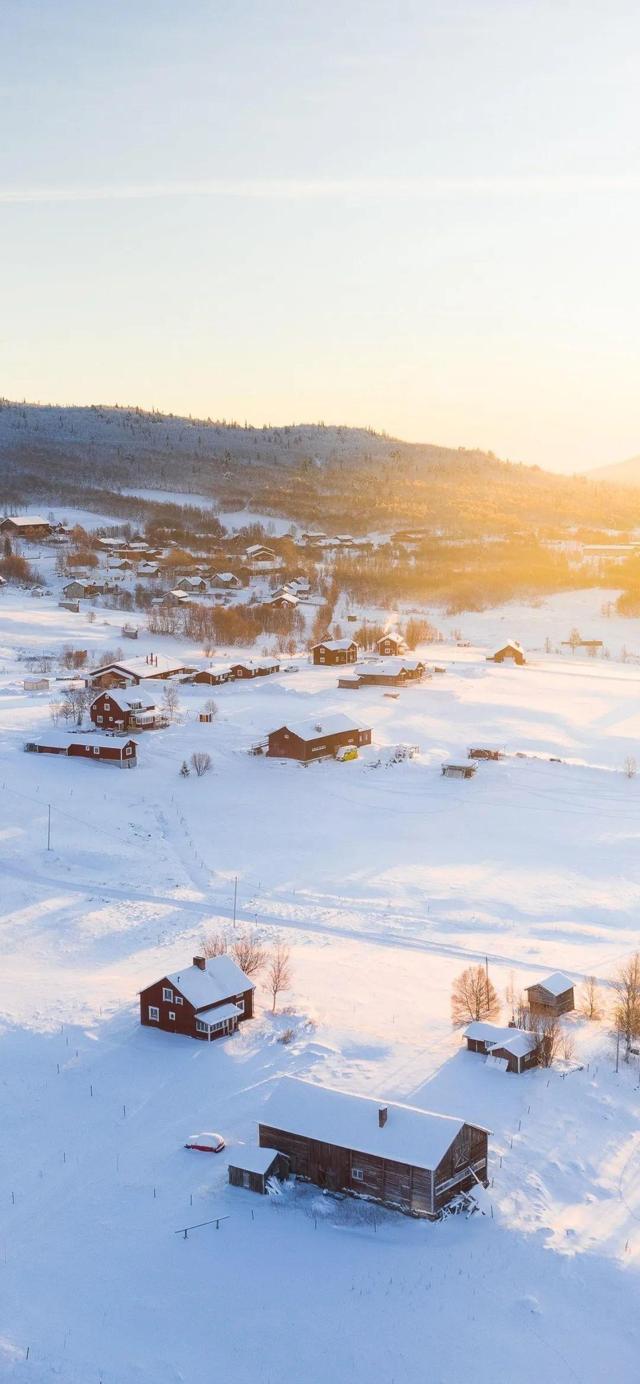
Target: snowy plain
[{"x": 384, "y": 881}]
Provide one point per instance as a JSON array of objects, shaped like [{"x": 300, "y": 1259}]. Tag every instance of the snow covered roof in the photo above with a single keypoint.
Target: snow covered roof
[
  {"x": 26, "y": 521},
  {"x": 62, "y": 739},
  {"x": 313, "y": 728},
  {"x": 555, "y": 984},
  {"x": 225, "y": 576},
  {"x": 252, "y": 1159},
  {"x": 391, "y": 666},
  {"x": 220, "y": 978},
  {"x": 132, "y": 697},
  {"x": 256, "y": 663},
  {"x": 259, "y": 548},
  {"x": 410, "y": 1135},
  {"x": 518, "y": 1041},
  {"x": 139, "y": 667},
  {"x": 511, "y": 644},
  {"x": 334, "y": 644}
]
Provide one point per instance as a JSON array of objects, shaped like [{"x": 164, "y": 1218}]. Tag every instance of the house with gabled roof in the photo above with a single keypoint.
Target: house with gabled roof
[
  {"x": 134, "y": 670},
  {"x": 552, "y": 996},
  {"x": 511, "y": 1049},
  {"x": 404, "y": 1157},
  {"x": 335, "y": 652},
  {"x": 206, "y": 1000},
  {"x": 391, "y": 645},
  {"x": 316, "y": 737}
]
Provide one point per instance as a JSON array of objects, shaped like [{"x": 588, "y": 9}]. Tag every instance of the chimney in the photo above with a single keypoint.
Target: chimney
[
  {"x": 382, "y": 1115},
  {"x": 200, "y": 962}
]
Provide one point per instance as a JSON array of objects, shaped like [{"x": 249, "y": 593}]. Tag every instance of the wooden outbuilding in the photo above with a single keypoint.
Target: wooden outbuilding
[
  {"x": 316, "y": 739},
  {"x": 206, "y": 1000},
  {"x": 552, "y": 996},
  {"x": 460, "y": 771},
  {"x": 485, "y": 752},
  {"x": 253, "y": 1167},
  {"x": 398, "y": 1155},
  {"x": 335, "y": 652},
  {"x": 511, "y": 652},
  {"x": 102, "y": 749},
  {"x": 25, "y": 526},
  {"x": 512, "y": 1049},
  {"x": 80, "y": 590}
]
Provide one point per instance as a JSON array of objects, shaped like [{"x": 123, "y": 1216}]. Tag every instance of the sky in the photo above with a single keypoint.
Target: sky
[{"x": 422, "y": 217}]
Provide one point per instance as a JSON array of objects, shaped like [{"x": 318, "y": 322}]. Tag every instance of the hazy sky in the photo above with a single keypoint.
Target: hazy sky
[{"x": 416, "y": 215}]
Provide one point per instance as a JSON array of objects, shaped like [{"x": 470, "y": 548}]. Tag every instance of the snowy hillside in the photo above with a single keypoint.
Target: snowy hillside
[{"x": 385, "y": 879}]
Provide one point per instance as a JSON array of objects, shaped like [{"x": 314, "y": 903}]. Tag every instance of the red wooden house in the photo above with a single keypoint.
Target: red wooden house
[
  {"x": 105, "y": 749},
  {"x": 335, "y": 652},
  {"x": 206, "y": 1000},
  {"x": 255, "y": 668},
  {"x": 512, "y": 1049},
  {"x": 127, "y": 709},
  {"x": 391, "y": 644},
  {"x": 316, "y": 739}
]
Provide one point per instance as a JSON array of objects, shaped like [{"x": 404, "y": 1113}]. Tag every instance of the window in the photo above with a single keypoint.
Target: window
[
  {"x": 128, "y": 749},
  {"x": 100, "y": 719},
  {"x": 154, "y": 1013},
  {"x": 107, "y": 706},
  {"x": 167, "y": 994},
  {"x": 239, "y": 1003},
  {"x": 172, "y": 1015},
  {"x": 201, "y": 1027},
  {"x": 357, "y": 1174},
  {"x": 96, "y": 749},
  {"x": 177, "y": 999}
]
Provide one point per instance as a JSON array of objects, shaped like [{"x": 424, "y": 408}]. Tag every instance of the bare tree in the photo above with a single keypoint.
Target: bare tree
[
  {"x": 627, "y": 1005},
  {"x": 215, "y": 944},
  {"x": 279, "y": 972},
  {"x": 630, "y": 767},
  {"x": 590, "y": 1005},
  {"x": 75, "y": 702},
  {"x": 211, "y": 708},
  {"x": 200, "y": 762},
  {"x": 170, "y": 700},
  {"x": 473, "y": 996},
  {"x": 248, "y": 953},
  {"x": 511, "y": 993},
  {"x": 549, "y": 1037}
]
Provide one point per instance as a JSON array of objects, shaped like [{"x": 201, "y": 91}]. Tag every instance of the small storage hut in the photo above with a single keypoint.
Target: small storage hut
[
  {"x": 551, "y": 996},
  {"x": 252, "y": 1167}
]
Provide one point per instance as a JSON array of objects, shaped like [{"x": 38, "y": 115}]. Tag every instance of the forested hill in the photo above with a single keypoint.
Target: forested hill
[{"x": 326, "y": 475}]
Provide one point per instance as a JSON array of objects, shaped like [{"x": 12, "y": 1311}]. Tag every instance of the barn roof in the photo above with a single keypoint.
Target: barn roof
[
  {"x": 410, "y": 1135},
  {"x": 62, "y": 739},
  {"x": 511, "y": 644},
  {"x": 335, "y": 644},
  {"x": 251, "y": 1159},
  {"x": 220, "y": 979},
  {"x": 518, "y": 1041},
  {"x": 26, "y": 521},
  {"x": 131, "y": 696},
  {"x": 313, "y": 728},
  {"x": 256, "y": 663},
  {"x": 555, "y": 984}
]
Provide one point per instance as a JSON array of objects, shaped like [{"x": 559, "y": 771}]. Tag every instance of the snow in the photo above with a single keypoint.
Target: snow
[
  {"x": 141, "y": 667},
  {"x": 556, "y": 984},
  {"x": 311, "y": 729},
  {"x": 217, "y": 1015},
  {"x": 220, "y": 979},
  {"x": 515, "y": 1040},
  {"x": 350, "y": 1120},
  {"x": 384, "y": 883},
  {"x": 253, "y": 1159},
  {"x": 335, "y": 645},
  {"x": 60, "y": 739}
]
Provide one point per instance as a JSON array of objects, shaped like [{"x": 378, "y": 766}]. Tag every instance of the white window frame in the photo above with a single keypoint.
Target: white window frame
[
  {"x": 96, "y": 749},
  {"x": 172, "y": 1015},
  {"x": 100, "y": 719},
  {"x": 357, "y": 1174},
  {"x": 239, "y": 1003},
  {"x": 154, "y": 1014},
  {"x": 201, "y": 1026},
  {"x": 167, "y": 994},
  {"x": 177, "y": 999}
]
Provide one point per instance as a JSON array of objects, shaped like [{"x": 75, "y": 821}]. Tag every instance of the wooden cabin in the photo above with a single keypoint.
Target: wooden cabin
[
  {"x": 191, "y": 585},
  {"x": 127, "y": 710},
  {"x": 282, "y": 600},
  {"x": 29, "y": 526},
  {"x": 398, "y": 1155},
  {"x": 552, "y": 996},
  {"x": 460, "y": 771},
  {"x": 226, "y": 581},
  {"x": 511, "y": 1049},
  {"x": 206, "y": 1000},
  {"x": 213, "y": 676},
  {"x": 80, "y": 590},
  {"x": 511, "y": 652},
  {"x": 102, "y": 749},
  {"x": 394, "y": 672},
  {"x": 255, "y": 668},
  {"x": 485, "y": 752},
  {"x": 335, "y": 652},
  {"x": 252, "y": 1167},
  {"x": 133, "y": 671},
  {"x": 391, "y": 645},
  {"x": 316, "y": 739}
]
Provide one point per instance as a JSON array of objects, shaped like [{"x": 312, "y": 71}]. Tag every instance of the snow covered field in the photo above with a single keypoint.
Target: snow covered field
[{"x": 385, "y": 881}]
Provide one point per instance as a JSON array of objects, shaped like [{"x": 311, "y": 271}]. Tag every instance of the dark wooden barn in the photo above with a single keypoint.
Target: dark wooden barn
[
  {"x": 514, "y": 1049},
  {"x": 311, "y": 739},
  {"x": 510, "y": 652},
  {"x": 102, "y": 749},
  {"x": 403, "y": 1157},
  {"x": 552, "y": 996},
  {"x": 206, "y": 1000},
  {"x": 335, "y": 652},
  {"x": 252, "y": 1167}
]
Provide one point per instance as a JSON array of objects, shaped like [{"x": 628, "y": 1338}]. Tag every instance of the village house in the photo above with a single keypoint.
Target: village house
[
  {"x": 398, "y": 1155},
  {"x": 29, "y": 526},
  {"x": 512, "y": 652},
  {"x": 148, "y": 569},
  {"x": 102, "y": 749},
  {"x": 255, "y": 668},
  {"x": 313, "y": 738},
  {"x": 509, "y": 1049},
  {"x": 552, "y": 996},
  {"x": 335, "y": 652},
  {"x": 282, "y": 600},
  {"x": 80, "y": 590},
  {"x": 261, "y": 559},
  {"x": 391, "y": 645},
  {"x": 394, "y": 672},
  {"x": 127, "y": 710},
  {"x": 226, "y": 581},
  {"x": 135, "y": 670},
  {"x": 213, "y": 676},
  {"x": 206, "y": 1000},
  {"x": 191, "y": 585}
]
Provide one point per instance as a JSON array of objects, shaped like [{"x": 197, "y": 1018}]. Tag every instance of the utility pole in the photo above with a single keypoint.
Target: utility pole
[
  {"x": 617, "y": 1048},
  {"x": 235, "y": 898},
  {"x": 49, "y": 827},
  {"x": 486, "y": 966}
]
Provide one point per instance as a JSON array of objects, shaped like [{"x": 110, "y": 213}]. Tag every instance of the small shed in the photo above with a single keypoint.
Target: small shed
[
  {"x": 460, "y": 771},
  {"x": 512, "y": 1049},
  {"x": 552, "y": 996},
  {"x": 252, "y": 1167},
  {"x": 512, "y": 652},
  {"x": 485, "y": 752}
]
